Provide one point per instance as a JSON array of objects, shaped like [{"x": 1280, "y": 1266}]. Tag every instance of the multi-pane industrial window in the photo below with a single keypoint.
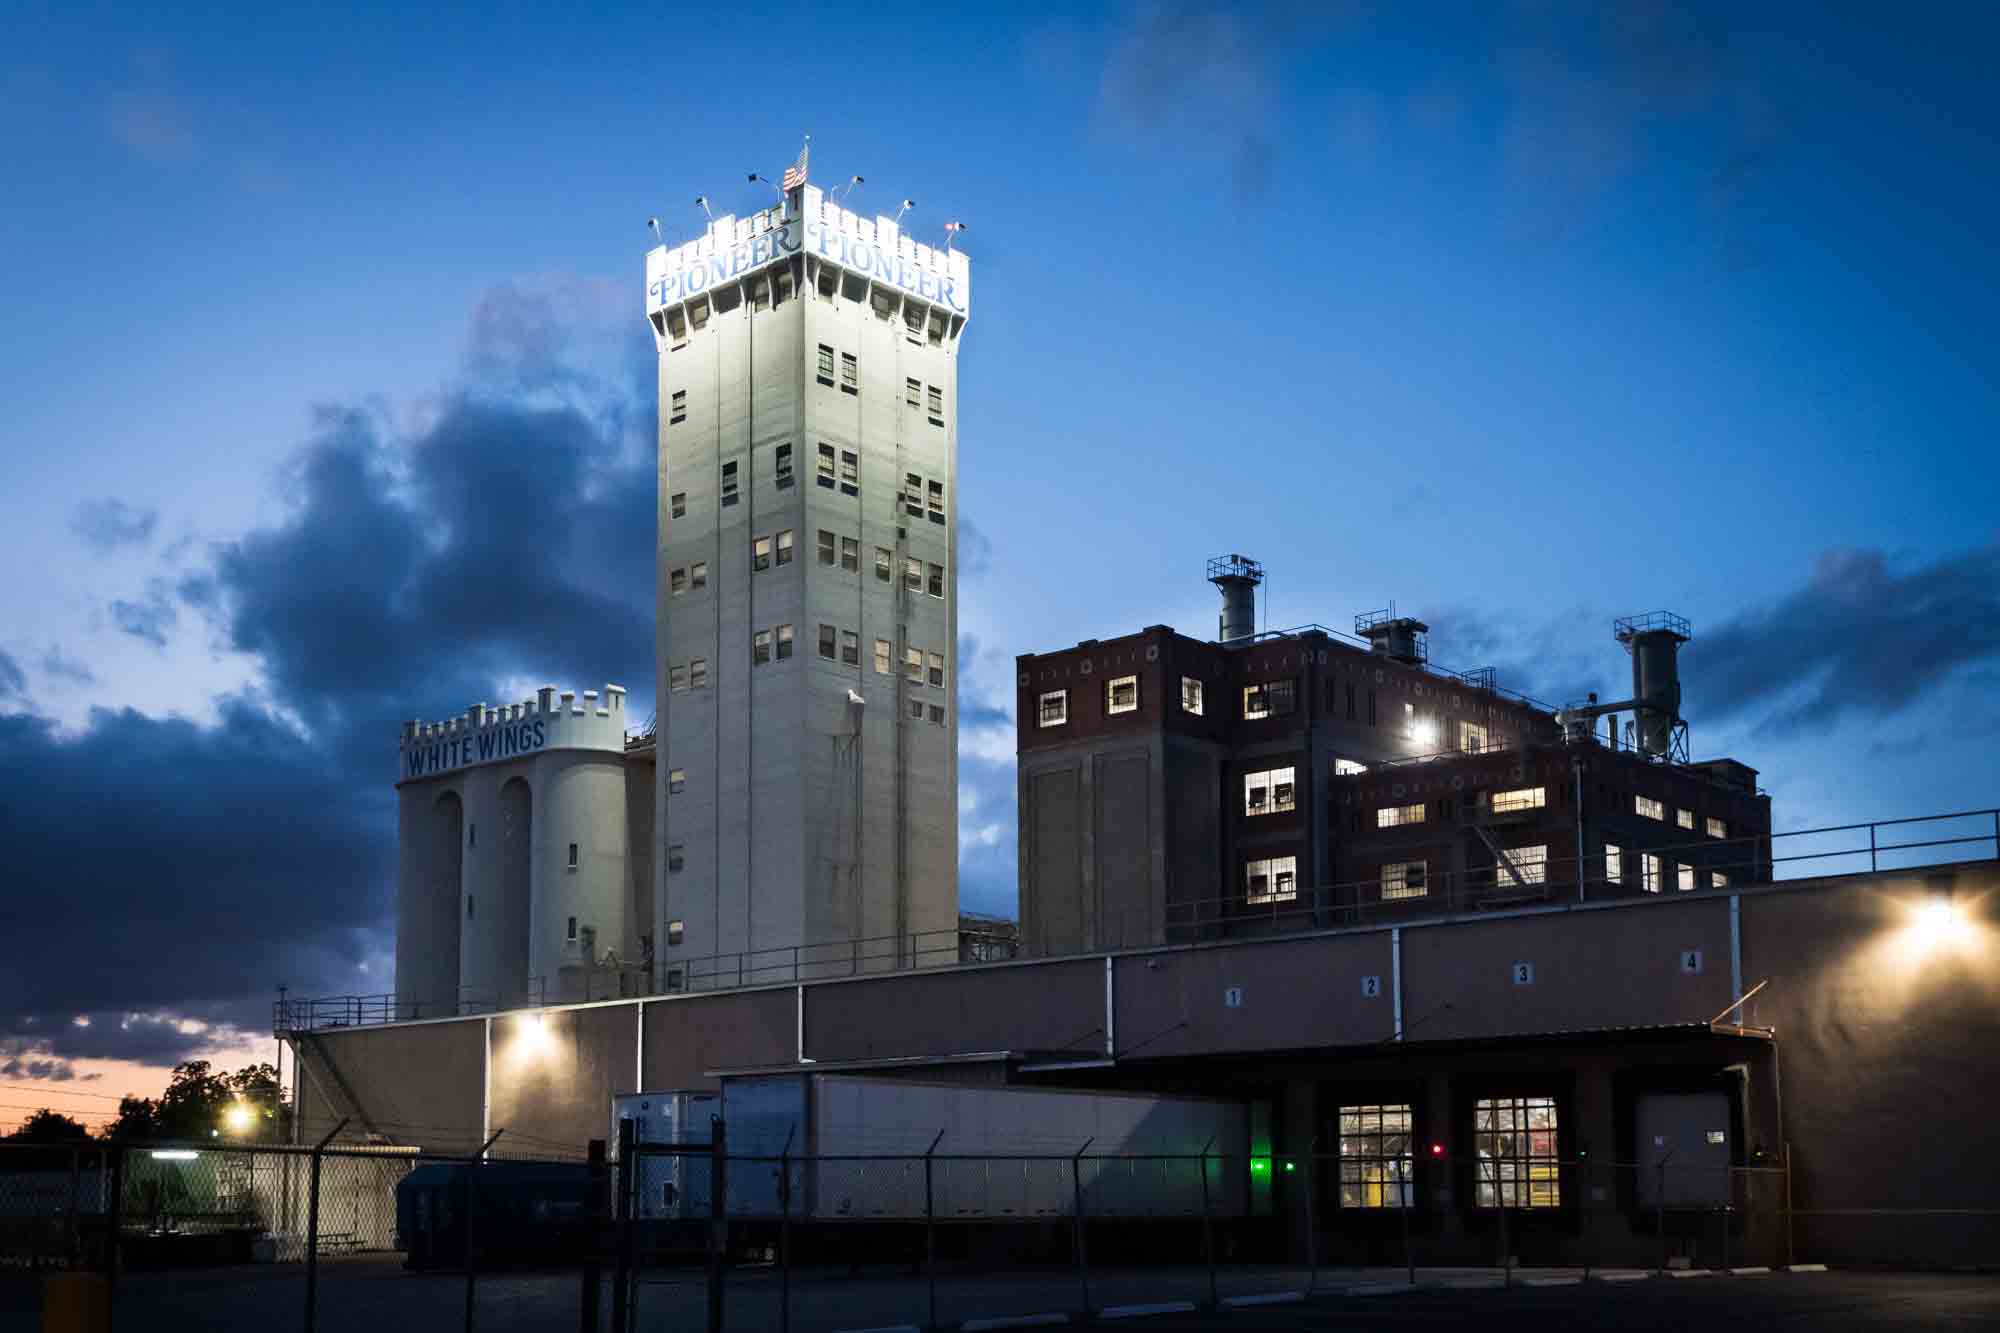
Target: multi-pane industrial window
[
  {"x": 1121, "y": 695},
  {"x": 1716, "y": 828},
  {"x": 1718, "y": 879},
  {"x": 1271, "y": 880},
  {"x": 676, "y": 932},
  {"x": 1395, "y": 816},
  {"x": 1345, "y": 767},
  {"x": 883, "y": 657},
  {"x": 825, "y": 373},
  {"x": 677, "y": 779},
  {"x": 850, "y": 555},
  {"x": 1405, "y": 879},
  {"x": 1375, "y": 1161},
  {"x": 1529, "y": 865},
  {"x": 917, "y": 710},
  {"x": 729, "y": 483},
  {"x": 698, "y": 576},
  {"x": 1650, "y": 808},
  {"x": 784, "y": 642},
  {"x": 572, "y": 856},
  {"x": 698, "y": 674},
  {"x": 1053, "y": 709},
  {"x": 1514, "y": 1142},
  {"x": 678, "y": 505},
  {"x": 1471, "y": 736},
  {"x": 679, "y": 409},
  {"x": 1520, "y": 798},
  {"x": 760, "y": 647},
  {"x": 677, "y": 679},
  {"x": 1190, "y": 695},
  {"x": 850, "y": 472},
  {"x": 1614, "y": 863},
  {"x": 760, "y": 553},
  {"x": 1649, "y": 872},
  {"x": 913, "y": 574},
  {"x": 1685, "y": 877},
  {"x": 913, "y": 495},
  {"x": 677, "y": 581},
  {"x": 936, "y": 403},
  {"x": 850, "y": 373},
  {"x": 676, "y": 855},
  {"x": 937, "y": 670},
  {"x": 913, "y": 392},
  {"x": 782, "y": 464},
  {"x": 913, "y": 664},
  {"x": 1684, "y": 818},
  {"x": 937, "y": 714},
  {"x": 785, "y": 547},
  {"x": 827, "y": 636},
  {"x": 825, "y": 474},
  {"x": 850, "y": 647},
  {"x": 936, "y": 501},
  {"x": 826, "y": 547},
  {"x": 934, "y": 583},
  {"x": 1271, "y": 698},
  {"x": 1270, "y": 792}
]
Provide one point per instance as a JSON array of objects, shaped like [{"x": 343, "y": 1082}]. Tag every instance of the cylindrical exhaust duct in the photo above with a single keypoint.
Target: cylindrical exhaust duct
[
  {"x": 1236, "y": 577},
  {"x": 1655, "y": 644}
]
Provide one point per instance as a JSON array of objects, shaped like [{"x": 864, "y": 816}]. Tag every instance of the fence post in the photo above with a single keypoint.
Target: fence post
[
  {"x": 593, "y": 1271},
  {"x": 1871, "y": 848},
  {"x": 930, "y": 1231},
  {"x": 785, "y": 1233},
  {"x": 115, "y": 1227},
  {"x": 718, "y": 1218},
  {"x": 1207, "y": 1223},
  {"x": 1077, "y": 1222},
  {"x": 312, "y": 1230},
  {"x": 1506, "y": 1241},
  {"x": 1312, "y": 1224},
  {"x": 471, "y": 1220},
  {"x": 1789, "y": 1257},
  {"x": 1660, "y": 1210},
  {"x": 1405, "y": 1192},
  {"x": 621, "y": 1267}
]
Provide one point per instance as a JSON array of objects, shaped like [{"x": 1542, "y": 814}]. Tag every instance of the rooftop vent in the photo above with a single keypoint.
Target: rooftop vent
[
  {"x": 1399, "y": 638},
  {"x": 1236, "y": 577}
]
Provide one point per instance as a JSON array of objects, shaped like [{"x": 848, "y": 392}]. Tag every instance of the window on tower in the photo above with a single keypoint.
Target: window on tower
[
  {"x": 825, "y": 375},
  {"x": 784, "y": 642},
  {"x": 785, "y": 547},
  {"x": 729, "y": 483},
  {"x": 698, "y": 576},
  {"x": 917, "y": 709},
  {"x": 760, "y": 647},
  {"x": 782, "y": 465},
  {"x": 850, "y": 555},
  {"x": 937, "y": 670},
  {"x": 937, "y": 714},
  {"x": 825, "y": 474},
  {"x": 913, "y": 392},
  {"x": 677, "y": 679},
  {"x": 677, "y": 581},
  {"x": 678, "y": 411},
  {"x": 913, "y": 493},
  {"x": 883, "y": 665},
  {"x": 678, "y": 506},
  {"x": 850, "y": 647},
  {"x": 936, "y": 404},
  {"x": 913, "y": 574},
  {"x": 827, "y": 635},
  {"x": 937, "y": 501},
  {"x": 935, "y": 584},
  {"x": 826, "y": 547},
  {"x": 885, "y": 564},
  {"x": 913, "y": 664},
  {"x": 850, "y": 472},
  {"x": 850, "y": 373},
  {"x": 760, "y": 554},
  {"x": 1052, "y": 709},
  {"x": 698, "y": 674}
]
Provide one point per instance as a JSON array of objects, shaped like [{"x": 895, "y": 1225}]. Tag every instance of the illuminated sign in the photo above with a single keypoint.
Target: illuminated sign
[{"x": 672, "y": 277}]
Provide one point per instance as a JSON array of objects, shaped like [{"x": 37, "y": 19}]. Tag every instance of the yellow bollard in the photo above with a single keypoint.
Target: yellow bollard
[{"x": 76, "y": 1303}]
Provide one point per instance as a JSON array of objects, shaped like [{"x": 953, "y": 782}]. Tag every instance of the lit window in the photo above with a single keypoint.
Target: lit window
[
  {"x": 826, "y": 547},
  {"x": 913, "y": 574},
  {"x": 1404, "y": 879},
  {"x": 850, "y": 373},
  {"x": 729, "y": 483},
  {"x": 785, "y": 547},
  {"x": 913, "y": 392},
  {"x": 850, "y": 472},
  {"x": 1375, "y": 1167},
  {"x": 698, "y": 576},
  {"x": 679, "y": 411},
  {"x": 1718, "y": 879},
  {"x": 1684, "y": 818},
  {"x": 1649, "y": 872},
  {"x": 676, "y": 932},
  {"x": 1520, "y": 798},
  {"x": 1054, "y": 709},
  {"x": 913, "y": 664},
  {"x": 1650, "y": 808},
  {"x": 850, "y": 647},
  {"x": 572, "y": 856},
  {"x": 1716, "y": 828},
  {"x": 1472, "y": 737},
  {"x": 1395, "y": 816},
  {"x": 936, "y": 501},
  {"x": 1684, "y": 878},
  {"x": 1272, "y": 880},
  {"x": 827, "y": 638},
  {"x": 1530, "y": 865},
  {"x": 1614, "y": 863},
  {"x": 1268, "y": 793},
  {"x": 676, "y": 780},
  {"x": 934, "y": 580},
  {"x": 825, "y": 466},
  {"x": 1121, "y": 695},
  {"x": 760, "y": 647},
  {"x": 1514, "y": 1140},
  {"x": 825, "y": 370},
  {"x": 784, "y": 642},
  {"x": 676, "y": 856},
  {"x": 782, "y": 458},
  {"x": 937, "y": 714},
  {"x": 698, "y": 674},
  {"x": 678, "y": 506},
  {"x": 1272, "y": 698},
  {"x": 937, "y": 670},
  {"x": 850, "y": 555},
  {"x": 1344, "y": 767},
  {"x": 1190, "y": 695},
  {"x": 913, "y": 495},
  {"x": 677, "y": 678},
  {"x": 677, "y": 582},
  {"x": 760, "y": 553},
  {"x": 882, "y": 657},
  {"x": 885, "y": 560}
]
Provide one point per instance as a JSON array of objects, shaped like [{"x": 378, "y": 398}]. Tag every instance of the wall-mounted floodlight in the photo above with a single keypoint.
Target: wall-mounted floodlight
[
  {"x": 754, "y": 177},
  {"x": 951, "y": 231},
  {"x": 239, "y": 1118},
  {"x": 701, "y": 202},
  {"x": 908, "y": 204},
  {"x": 654, "y": 223}
]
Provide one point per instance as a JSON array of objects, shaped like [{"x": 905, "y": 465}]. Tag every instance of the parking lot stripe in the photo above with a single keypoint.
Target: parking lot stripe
[
  {"x": 1805, "y": 1268},
  {"x": 1551, "y": 1281},
  {"x": 1748, "y": 1272},
  {"x": 1622, "y": 1275},
  {"x": 1689, "y": 1272}
]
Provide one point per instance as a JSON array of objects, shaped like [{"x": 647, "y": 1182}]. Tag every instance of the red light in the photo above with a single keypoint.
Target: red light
[{"x": 1437, "y": 1150}]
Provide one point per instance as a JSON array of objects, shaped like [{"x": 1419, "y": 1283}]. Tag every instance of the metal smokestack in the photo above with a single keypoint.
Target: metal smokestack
[
  {"x": 1236, "y": 577},
  {"x": 1654, "y": 641}
]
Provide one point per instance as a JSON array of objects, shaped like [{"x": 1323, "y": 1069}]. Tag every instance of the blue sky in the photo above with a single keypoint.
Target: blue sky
[{"x": 1524, "y": 316}]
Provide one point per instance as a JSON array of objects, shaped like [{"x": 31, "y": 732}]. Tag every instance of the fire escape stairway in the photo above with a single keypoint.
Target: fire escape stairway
[
  {"x": 332, "y": 1084},
  {"x": 1510, "y": 886}
]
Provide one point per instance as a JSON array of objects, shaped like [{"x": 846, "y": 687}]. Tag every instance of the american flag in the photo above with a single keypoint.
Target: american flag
[{"x": 795, "y": 174}]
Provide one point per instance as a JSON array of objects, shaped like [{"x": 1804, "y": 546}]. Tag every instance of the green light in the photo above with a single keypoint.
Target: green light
[
  {"x": 1291, "y": 1166},
  {"x": 1259, "y": 1165}
]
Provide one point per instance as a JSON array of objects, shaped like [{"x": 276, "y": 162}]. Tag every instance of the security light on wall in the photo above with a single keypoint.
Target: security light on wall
[
  {"x": 654, "y": 223},
  {"x": 701, "y": 202},
  {"x": 908, "y": 204}
]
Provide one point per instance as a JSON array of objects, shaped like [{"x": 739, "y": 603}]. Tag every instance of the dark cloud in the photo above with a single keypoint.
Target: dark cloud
[
  {"x": 109, "y": 524},
  {"x": 12, "y": 680},
  {"x": 149, "y": 618},
  {"x": 190, "y": 869},
  {"x": 975, "y": 550},
  {"x": 57, "y": 664},
  {"x": 1558, "y": 660},
  {"x": 23, "y": 1061},
  {"x": 1861, "y": 637}
]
